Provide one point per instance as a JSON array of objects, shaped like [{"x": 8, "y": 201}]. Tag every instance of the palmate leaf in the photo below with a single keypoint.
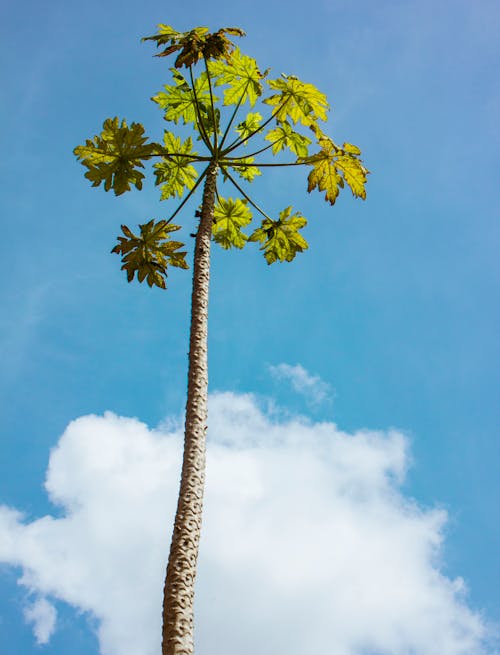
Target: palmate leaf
[
  {"x": 229, "y": 217},
  {"x": 284, "y": 136},
  {"x": 175, "y": 173},
  {"x": 242, "y": 76},
  {"x": 332, "y": 166},
  {"x": 245, "y": 168},
  {"x": 247, "y": 127},
  {"x": 280, "y": 239},
  {"x": 195, "y": 44},
  {"x": 297, "y": 100},
  {"x": 114, "y": 156},
  {"x": 179, "y": 101},
  {"x": 149, "y": 254}
]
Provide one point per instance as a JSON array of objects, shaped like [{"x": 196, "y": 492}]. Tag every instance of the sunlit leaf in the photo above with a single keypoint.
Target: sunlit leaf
[
  {"x": 332, "y": 166},
  {"x": 297, "y": 100},
  {"x": 229, "y": 217},
  {"x": 247, "y": 127},
  {"x": 280, "y": 239},
  {"x": 242, "y": 76},
  {"x": 179, "y": 100},
  {"x": 114, "y": 156},
  {"x": 246, "y": 169},
  {"x": 149, "y": 254},
  {"x": 284, "y": 136},
  {"x": 175, "y": 173}
]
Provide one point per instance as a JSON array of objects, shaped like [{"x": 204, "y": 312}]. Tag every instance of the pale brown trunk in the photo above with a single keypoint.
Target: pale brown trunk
[{"x": 178, "y": 594}]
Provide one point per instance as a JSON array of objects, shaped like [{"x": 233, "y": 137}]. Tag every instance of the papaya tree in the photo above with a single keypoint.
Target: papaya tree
[{"x": 229, "y": 105}]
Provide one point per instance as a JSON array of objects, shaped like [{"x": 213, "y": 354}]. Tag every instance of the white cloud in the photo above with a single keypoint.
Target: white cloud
[
  {"x": 43, "y": 615},
  {"x": 308, "y": 543},
  {"x": 312, "y": 387}
]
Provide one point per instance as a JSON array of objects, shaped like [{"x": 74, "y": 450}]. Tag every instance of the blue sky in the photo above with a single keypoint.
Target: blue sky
[{"x": 394, "y": 309}]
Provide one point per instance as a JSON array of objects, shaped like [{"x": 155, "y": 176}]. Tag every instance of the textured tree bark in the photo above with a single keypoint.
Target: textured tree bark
[{"x": 178, "y": 593}]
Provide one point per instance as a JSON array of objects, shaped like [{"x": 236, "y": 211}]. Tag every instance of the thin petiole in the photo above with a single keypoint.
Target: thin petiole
[
  {"x": 258, "y": 164},
  {"x": 238, "y": 142},
  {"x": 198, "y": 181},
  {"x": 201, "y": 130},
  {"x": 230, "y": 177},
  {"x": 233, "y": 116},
  {"x": 257, "y": 152},
  {"x": 211, "y": 103}
]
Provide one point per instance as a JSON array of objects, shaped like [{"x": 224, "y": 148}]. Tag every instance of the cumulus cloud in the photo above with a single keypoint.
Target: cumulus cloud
[
  {"x": 312, "y": 387},
  {"x": 308, "y": 543},
  {"x": 43, "y": 615}
]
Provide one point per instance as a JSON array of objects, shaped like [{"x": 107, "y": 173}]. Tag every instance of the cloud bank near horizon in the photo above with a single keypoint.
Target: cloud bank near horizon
[{"x": 308, "y": 541}]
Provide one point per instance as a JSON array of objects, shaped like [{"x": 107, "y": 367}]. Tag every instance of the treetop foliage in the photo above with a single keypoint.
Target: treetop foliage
[
  {"x": 219, "y": 82},
  {"x": 194, "y": 45}
]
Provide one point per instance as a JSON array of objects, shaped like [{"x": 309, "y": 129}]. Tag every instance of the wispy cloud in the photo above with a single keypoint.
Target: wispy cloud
[
  {"x": 308, "y": 541},
  {"x": 312, "y": 387},
  {"x": 43, "y": 615}
]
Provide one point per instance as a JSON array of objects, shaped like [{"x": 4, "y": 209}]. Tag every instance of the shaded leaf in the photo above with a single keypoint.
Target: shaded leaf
[
  {"x": 280, "y": 239},
  {"x": 195, "y": 44},
  {"x": 229, "y": 217},
  {"x": 114, "y": 156},
  {"x": 175, "y": 173},
  {"x": 149, "y": 254}
]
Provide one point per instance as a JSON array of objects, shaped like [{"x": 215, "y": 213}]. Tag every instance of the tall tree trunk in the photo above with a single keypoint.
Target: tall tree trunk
[{"x": 178, "y": 593}]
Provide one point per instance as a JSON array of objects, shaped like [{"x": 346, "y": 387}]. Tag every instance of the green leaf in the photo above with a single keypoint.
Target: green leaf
[
  {"x": 245, "y": 168},
  {"x": 332, "y": 166},
  {"x": 149, "y": 254},
  {"x": 284, "y": 136},
  {"x": 175, "y": 173},
  {"x": 280, "y": 239},
  {"x": 114, "y": 156},
  {"x": 179, "y": 100},
  {"x": 297, "y": 100},
  {"x": 229, "y": 217},
  {"x": 249, "y": 125},
  {"x": 242, "y": 76},
  {"x": 195, "y": 44}
]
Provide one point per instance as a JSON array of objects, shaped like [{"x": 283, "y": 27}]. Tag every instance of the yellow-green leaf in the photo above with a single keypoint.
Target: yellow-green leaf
[
  {"x": 299, "y": 101},
  {"x": 354, "y": 173},
  {"x": 229, "y": 217},
  {"x": 179, "y": 100},
  {"x": 149, "y": 254},
  {"x": 284, "y": 136},
  {"x": 114, "y": 156},
  {"x": 245, "y": 168},
  {"x": 247, "y": 127},
  {"x": 332, "y": 166},
  {"x": 242, "y": 76},
  {"x": 175, "y": 173},
  {"x": 280, "y": 239}
]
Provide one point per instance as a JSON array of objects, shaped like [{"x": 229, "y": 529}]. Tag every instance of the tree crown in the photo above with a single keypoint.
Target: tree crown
[{"x": 219, "y": 84}]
